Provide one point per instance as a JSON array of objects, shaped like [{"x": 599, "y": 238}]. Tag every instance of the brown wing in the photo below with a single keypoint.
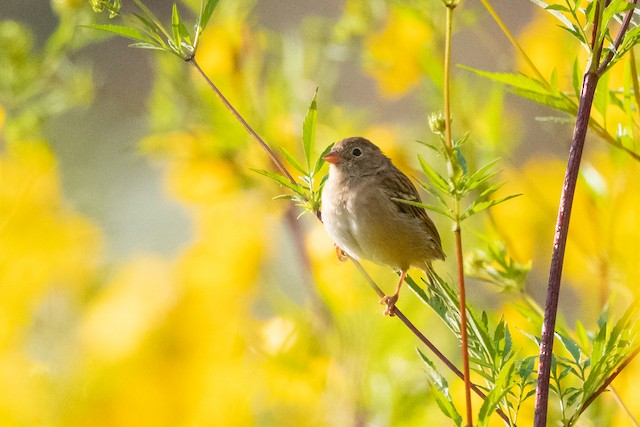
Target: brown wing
[{"x": 399, "y": 186}]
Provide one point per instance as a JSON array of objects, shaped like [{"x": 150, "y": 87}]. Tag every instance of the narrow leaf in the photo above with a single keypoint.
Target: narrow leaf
[
  {"x": 434, "y": 177},
  {"x": 292, "y": 161},
  {"x": 207, "y": 11},
  {"x": 297, "y": 188},
  {"x": 440, "y": 390},
  {"x": 128, "y": 32},
  {"x": 309, "y": 129}
]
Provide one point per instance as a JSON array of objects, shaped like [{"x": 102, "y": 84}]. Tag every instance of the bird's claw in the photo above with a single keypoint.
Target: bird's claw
[
  {"x": 342, "y": 255},
  {"x": 390, "y": 302}
]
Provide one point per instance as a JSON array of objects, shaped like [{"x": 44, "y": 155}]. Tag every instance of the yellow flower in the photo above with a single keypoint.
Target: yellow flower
[
  {"x": 118, "y": 320},
  {"x": 48, "y": 253},
  {"x": 397, "y": 51},
  {"x": 599, "y": 258}
]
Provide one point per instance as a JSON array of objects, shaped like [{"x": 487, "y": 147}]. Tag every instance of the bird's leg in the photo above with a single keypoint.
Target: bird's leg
[
  {"x": 390, "y": 301},
  {"x": 342, "y": 255}
]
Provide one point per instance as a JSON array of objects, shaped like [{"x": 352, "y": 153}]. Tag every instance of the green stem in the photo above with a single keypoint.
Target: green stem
[
  {"x": 447, "y": 73},
  {"x": 515, "y": 43}
]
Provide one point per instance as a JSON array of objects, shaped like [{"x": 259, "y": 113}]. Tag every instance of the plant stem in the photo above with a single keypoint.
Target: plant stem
[
  {"x": 450, "y": 7},
  {"x": 463, "y": 326},
  {"x": 422, "y": 337},
  {"x": 242, "y": 121},
  {"x": 589, "y": 84},
  {"x": 447, "y": 72}
]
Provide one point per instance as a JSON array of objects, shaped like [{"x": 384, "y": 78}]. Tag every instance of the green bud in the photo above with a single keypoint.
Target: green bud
[{"x": 437, "y": 123}]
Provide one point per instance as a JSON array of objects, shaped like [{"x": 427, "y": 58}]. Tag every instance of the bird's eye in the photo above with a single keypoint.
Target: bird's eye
[{"x": 357, "y": 152}]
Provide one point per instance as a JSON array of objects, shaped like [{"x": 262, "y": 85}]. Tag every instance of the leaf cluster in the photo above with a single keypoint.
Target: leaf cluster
[
  {"x": 591, "y": 361},
  {"x": 508, "y": 380},
  {"x": 458, "y": 183},
  {"x": 306, "y": 194},
  {"x": 150, "y": 33},
  {"x": 591, "y": 24}
]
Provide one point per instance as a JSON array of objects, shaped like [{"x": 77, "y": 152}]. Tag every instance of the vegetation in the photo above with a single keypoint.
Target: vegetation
[{"x": 230, "y": 331}]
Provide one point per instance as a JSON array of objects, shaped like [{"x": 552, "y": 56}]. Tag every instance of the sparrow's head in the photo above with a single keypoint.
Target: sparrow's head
[{"x": 356, "y": 156}]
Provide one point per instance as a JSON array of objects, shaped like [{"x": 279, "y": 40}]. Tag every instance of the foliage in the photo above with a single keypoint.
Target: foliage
[{"x": 253, "y": 319}]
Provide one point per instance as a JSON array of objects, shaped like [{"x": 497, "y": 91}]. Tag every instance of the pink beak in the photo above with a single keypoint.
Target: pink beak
[{"x": 332, "y": 157}]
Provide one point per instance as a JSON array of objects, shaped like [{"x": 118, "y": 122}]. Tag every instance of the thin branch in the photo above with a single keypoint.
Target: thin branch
[
  {"x": 634, "y": 79},
  {"x": 447, "y": 75},
  {"x": 422, "y": 337},
  {"x": 607, "y": 382},
  {"x": 242, "y": 121},
  {"x": 616, "y": 44},
  {"x": 450, "y": 7}
]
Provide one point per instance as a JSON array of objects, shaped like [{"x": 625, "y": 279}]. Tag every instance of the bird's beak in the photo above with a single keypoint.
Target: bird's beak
[{"x": 332, "y": 157}]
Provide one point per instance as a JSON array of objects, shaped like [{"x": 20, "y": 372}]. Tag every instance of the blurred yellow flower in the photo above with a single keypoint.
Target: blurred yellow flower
[
  {"x": 397, "y": 51},
  {"x": 221, "y": 47},
  {"x": 43, "y": 244},
  {"x": 599, "y": 256},
  {"x": 119, "y": 319},
  {"x": 46, "y": 250}
]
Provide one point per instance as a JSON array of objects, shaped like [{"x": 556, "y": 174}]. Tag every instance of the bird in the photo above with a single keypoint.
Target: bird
[{"x": 360, "y": 212}]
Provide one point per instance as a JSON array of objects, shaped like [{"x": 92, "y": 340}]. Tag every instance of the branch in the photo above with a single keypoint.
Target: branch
[
  {"x": 616, "y": 44},
  {"x": 606, "y": 383},
  {"x": 590, "y": 82},
  {"x": 242, "y": 121}
]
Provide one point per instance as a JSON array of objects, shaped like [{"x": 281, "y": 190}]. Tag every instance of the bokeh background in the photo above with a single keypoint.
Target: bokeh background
[{"x": 147, "y": 276}]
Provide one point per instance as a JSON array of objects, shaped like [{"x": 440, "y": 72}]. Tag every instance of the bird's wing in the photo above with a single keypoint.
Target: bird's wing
[{"x": 398, "y": 186}]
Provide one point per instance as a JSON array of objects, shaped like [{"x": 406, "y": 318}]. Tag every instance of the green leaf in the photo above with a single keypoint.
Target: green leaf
[
  {"x": 476, "y": 206},
  {"x": 295, "y": 187},
  {"x": 444, "y": 212},
  {"x": 434, "y": 177},
  {"x": 292, "y": 161},
  {"x": 482, "y": 174},
  {"x": 320, "y": 161},
  {"x": 151, "y": 17},
  {"x": 553, "y": 11},
  {"x": 530, "y": 88},
  {"x": 601, "y": 98},
  {"x": 128, "y": 32},
  {"x": 175, "y": 25},
  {"x": 440, "y": 390},
  {"x": 147, "y": 46},
  {"x": 309, "y": 129},
  {"x": 581, "y": 332},
  {"x": 571, "y": 346},
  {"x": 502, "y": 386},
  {"x": 206, "y": 11},
  {"x": 151, "y": 29}
]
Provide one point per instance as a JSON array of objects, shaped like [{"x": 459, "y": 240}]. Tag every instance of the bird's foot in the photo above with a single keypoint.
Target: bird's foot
[
  {"x": 390, "y": 302},
  {"x": 342, "y": 255}
]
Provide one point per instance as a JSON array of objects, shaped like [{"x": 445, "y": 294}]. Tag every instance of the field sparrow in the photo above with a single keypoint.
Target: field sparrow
[{"x": 360, "y": 215}]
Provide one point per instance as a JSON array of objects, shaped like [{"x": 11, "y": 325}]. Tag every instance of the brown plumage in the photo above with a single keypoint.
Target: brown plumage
[{"x": 364, "y": 221}]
